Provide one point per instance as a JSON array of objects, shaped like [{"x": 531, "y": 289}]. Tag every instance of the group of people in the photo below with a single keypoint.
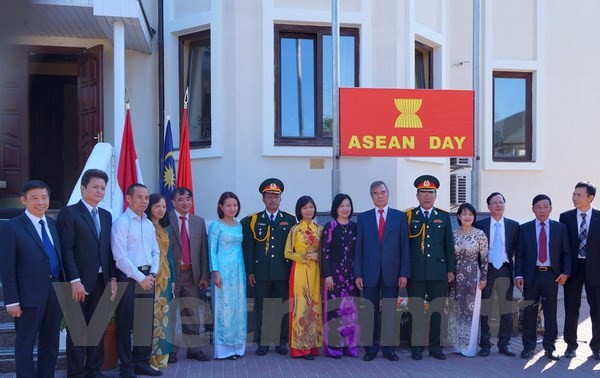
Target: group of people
[{"x": 326, "y": 289}]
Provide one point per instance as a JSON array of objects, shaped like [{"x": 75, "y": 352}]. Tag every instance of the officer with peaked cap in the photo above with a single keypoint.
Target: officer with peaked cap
[
  {"x": 433, "y": 263},
  {"x": 268, "y": 271}
]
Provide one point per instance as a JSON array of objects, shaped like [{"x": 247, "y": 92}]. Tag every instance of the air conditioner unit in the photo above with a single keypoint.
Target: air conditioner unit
[
  {"x": 460, "y": 189},
  {"x": 458, "y": 163}
]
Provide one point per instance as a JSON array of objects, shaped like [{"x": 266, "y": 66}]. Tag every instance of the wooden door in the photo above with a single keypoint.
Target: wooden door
[
  {"x": 14, "y": 156},
  {"x": 90, "y": 97}
]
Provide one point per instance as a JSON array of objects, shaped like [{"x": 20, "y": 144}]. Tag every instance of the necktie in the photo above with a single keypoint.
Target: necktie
[
  {"x": 496, "y": 258},
  {"x": 543, "y": 248},
  {"x": 381, "y": 225},
  {"x": 186, "y": 258},
  {"x": 50, "y": 251},
  {"x": 96, "y": 221},
  {"x": 426, "y": 213},
  {"x": 272, "y": 218},
  {"x": 582, "y": 235}
]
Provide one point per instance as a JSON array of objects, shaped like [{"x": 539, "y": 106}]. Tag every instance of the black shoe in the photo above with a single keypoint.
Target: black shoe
[
  {"x": 596, "y": 354},
  {"x": 438, "y": 355},
  {"x": 417, "y": 356},
  {"x": 527, "y": 353},
  {"x": 335, "y": 357},
  {"x": 198, "y": 356},
  {"x": 262, "y": 350},
  {"x": 281, "y": 349},
  {"x": 309, "y": 357},
  {"x": 172, "y": 358},
  {"x": 96, "y": 374},
  {"x": 233, "y": 357},
  {"x": 552, "y": 354},
  {"x": 507, "y": 351},
  {"x": 484, "y": 352},
  {"x": 369, "y": 356},
  {"x": 570, "y": 353},
  {"x": 391, "y": 356},
  {"x": 147, "y": 370}
]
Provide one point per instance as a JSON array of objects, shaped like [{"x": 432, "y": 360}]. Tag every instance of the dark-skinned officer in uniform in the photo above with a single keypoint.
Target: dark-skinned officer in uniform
[
  {"x": 433, "y": 263},
  {"x": 267, "y": 269}
]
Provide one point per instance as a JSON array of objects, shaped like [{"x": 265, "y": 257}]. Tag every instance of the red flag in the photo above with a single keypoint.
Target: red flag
[
  {"x": 184, "y": 167},
  {"x": 127, "y": 172}
]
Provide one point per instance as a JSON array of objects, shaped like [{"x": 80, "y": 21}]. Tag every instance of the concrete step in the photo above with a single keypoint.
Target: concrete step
[
  {"x": 7, "y": 359},
  {"x": 7, "y": 335},
  {"x": 4, "y": 317}
]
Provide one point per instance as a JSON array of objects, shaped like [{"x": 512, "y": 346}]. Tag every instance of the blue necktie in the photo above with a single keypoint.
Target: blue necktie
[
  {"x": 96, "y": 221},
  {"x": 50, "y": 251},
  {"x": 496, "y": 258}
]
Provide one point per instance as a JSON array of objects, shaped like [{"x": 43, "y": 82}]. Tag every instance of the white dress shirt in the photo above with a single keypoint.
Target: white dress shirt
[{"x": 134, "y": 244}]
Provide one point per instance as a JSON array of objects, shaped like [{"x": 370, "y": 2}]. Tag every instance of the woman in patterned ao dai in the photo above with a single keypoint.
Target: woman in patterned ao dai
[
  {"x": 163, "y": 285},
  {"x": 471, "y": 246},
  {"x": 229, "y": 280},
  {"x": 341, "y": 330},
  {"x": 302, "y": 247}
]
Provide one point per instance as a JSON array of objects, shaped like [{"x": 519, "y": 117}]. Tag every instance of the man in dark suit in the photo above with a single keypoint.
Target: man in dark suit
[
  {"x": 433, "y": 263},
  {"x": 89, "y": 266},
  {"x": 583, "y": 226},
  {"x": 267, "y": 269},
  {"x": 542, "y": 261},
  {"x": 502, "y": 234},
  {"x": 381, "y": 262},
  {"x": 31, "y": 263},
  {"x": 190, "y": 253}
]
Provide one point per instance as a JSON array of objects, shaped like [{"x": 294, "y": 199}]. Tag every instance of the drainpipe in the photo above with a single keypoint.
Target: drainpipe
[
  {"x": 476, "y": 172},
  {"x": 161, "y": 79}
]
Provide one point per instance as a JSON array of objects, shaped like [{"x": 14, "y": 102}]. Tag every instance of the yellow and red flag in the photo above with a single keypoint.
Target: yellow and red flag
[{"x": 184, "y": 167}]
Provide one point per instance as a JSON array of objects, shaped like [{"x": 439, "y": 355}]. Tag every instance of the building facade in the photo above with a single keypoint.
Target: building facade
[{"x": 258, "y": 78}]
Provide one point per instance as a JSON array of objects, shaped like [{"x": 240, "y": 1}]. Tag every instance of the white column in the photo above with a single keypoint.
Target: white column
[{"x": 119, "y": 84}]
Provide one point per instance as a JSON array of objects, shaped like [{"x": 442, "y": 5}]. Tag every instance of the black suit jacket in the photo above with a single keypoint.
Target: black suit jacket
[
  {"x": 83, "y": 252},
  {"x": 391, "y": 259},
  {"x": 511, "y": 236},
  {"x": 25, "y": 266},
  {"x": 526, "y": 257},
  {"x": 592, "y": 250}
]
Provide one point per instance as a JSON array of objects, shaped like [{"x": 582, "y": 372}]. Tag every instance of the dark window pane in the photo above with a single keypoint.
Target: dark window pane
[
  {"x": 512, "y": 117},
  {"x": 297, "y": 87},
  {"x": 199, "y": 92}
]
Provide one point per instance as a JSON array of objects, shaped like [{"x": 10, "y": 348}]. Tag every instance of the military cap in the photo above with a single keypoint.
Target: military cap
[
  {"x": 271, "y": 185},
  {"x": 426, "y": 182}
]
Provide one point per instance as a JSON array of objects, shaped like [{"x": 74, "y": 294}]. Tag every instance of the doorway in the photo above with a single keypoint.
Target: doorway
[{"x": 53, "y": 123}]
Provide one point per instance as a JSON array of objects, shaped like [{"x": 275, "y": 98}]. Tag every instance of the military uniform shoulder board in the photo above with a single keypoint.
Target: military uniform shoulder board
[
  {"x": 249, "y": 216},
  {"x": 442, "y": 210},
  {"x": 288, "y": 214}
]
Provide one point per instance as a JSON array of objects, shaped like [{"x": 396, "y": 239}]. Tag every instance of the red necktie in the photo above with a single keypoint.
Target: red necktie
[
  {"x": 185, "y": 243},
  {"x": 381, "y": 225},
  {"x": 543, "y": 254}
]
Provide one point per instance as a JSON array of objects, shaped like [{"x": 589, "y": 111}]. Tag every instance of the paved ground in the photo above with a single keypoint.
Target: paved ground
[{"x": 273, "y": 365}]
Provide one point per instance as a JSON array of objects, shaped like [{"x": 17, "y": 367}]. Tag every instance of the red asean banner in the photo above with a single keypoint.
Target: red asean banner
[{"x": 406, "y": 122}]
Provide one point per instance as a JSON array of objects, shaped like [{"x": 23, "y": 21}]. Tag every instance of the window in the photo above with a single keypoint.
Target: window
[
  {"x": 423, "y": 66},
  {"x": 303, "y": 81},
  {"x": 512, "y": 130},
  {"x": 194, "y": 61}
]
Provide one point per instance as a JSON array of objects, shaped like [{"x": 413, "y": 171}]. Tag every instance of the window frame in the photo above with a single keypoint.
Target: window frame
[
  {"x": 316, "y": 33},
  {"x": 528, "y": 77},
  {"x": 184, "y": 68}
]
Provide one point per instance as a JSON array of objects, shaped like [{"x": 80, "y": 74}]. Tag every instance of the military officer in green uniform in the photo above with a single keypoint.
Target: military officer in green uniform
[
  {"x": 268, "y": 271},
  {"x": 433, "y": 263}
]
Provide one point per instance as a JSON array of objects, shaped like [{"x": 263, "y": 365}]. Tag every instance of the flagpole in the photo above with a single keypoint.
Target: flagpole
[{"x": 335, "y": 134}]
